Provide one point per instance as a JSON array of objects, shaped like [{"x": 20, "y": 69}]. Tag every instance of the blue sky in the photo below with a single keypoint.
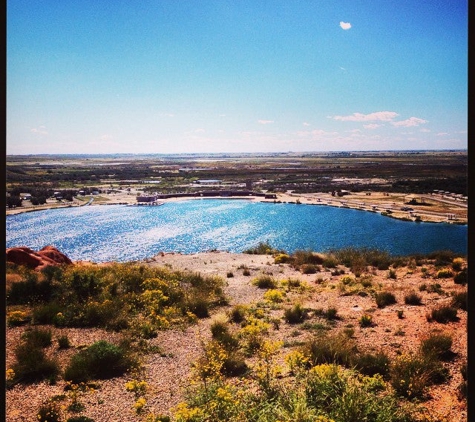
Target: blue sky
[{"x": 179, "y": 76}]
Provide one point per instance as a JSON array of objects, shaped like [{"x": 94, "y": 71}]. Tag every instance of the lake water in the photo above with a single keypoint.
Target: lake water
[{"x": 127, "y": 233}]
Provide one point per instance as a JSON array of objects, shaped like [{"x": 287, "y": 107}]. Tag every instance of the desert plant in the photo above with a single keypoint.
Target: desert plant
[
  {"x": 459, "y": 300},
  {"x": 274, "y": 295},
  {"x": 461, "y": 277},
  {"x": 410, "y": 376},
  {"x": 445, "y": 273},
  {"x": 17, "y": 318},
  {"x": 238, "y": 313},
  {"x": 63, "y": 342},
  {"x": 335, "y": 348},
  {"x": 265, "y": 282},
  {"x": 38, "y": 337},
  {"x": 366, "y": 321},
  {"x": 101, "y": 360},
  {"x": 384, "y": 299},
  {"x": 443, "y": 314},
  {"x": 220, "y": 332},
  {"x": 437, "y": 345},
  {"x": 392, "y": 274},
  {"x": 371, "y": 364},
  {"x": 79, "y": 419},
  {"x": 33, "y": 365},
  {"x": 296, "y": 314},
  {"x": 412, "y": 298},
  {"x": 282, "y": 258},
  {"x": 49, "y": 412}
]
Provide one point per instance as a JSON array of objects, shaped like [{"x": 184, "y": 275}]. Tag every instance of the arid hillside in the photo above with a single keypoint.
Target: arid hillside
[{"x": 216, "y": 336}]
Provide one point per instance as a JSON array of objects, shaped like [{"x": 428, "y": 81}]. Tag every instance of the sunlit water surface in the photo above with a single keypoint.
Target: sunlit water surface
[{"x": 128, "y": 233}]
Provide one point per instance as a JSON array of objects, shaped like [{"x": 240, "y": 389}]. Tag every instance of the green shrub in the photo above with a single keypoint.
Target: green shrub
[
  {"x": 29, "y": 290},
  {"x": 18, "y": 318},
  {"x": 38, "y": 337},
  {"x": 461, "y": 277},
  {"x": 282, "y": 258},
  {"x": 437, "y": 345},
  {"x": 198, "y": 305},
  {"x": 309, "y": 269},
  {"x": 412, "y": 298},
  {"x": 63, "y": 342},
  {"x": 435, "y": 288},
  {"x": 384, "y": 299},
  {"x": 459, "y": 300},
  {"x": 238, "y": 314},
  {"x": 392, "y": 274},
  {"x": 366, "y": 321},
  {"x": 371, "y": 364},
  {"x": 330, "y": 348},
  {"x": 265, "y": 282},
  {"x": 46, "y": 313},
  {"x": 295, "y": 315},
  {"x": 262, "y": 248},
  {"x": 220, "y": 332},
  {"x": 443, "y": 314},
  {"x": 101, "y": 360},
  {"x": 33, "y": 365},
  {"x": 410, "y": 377},
  {"x": 445, "y": 273}
]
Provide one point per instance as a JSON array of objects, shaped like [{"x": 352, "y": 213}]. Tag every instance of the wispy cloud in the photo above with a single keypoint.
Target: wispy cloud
[
  {"x": 265, "y": 122},
  {"x": 371, "y": 126},
  {"x": 384, "y": 116},
  {"x": 345, "y": 25},
  {"x": 412, "y": 121},
  {"x": 40, "y": 130},
  {"x": 306, "y": 124},
  {"x": 443, "y": 134}
]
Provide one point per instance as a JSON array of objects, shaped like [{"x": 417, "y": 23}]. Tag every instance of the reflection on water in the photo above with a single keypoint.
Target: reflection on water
[{"x": 125, "y": 233}]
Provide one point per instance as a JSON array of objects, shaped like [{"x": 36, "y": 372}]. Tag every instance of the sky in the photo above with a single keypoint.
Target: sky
[{"x": 214, "y": 76}]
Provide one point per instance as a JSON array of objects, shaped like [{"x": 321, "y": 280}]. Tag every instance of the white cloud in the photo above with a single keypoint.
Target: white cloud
[
  {"x": 265, "y": 122},
  {"x": 412, "y": 121},
  {"x": 345, "y": 25},
  {"x": 424, "y": 130},
  {"x": 384, "y": 116},
  {"x": 371, "y": 126},
  {"x": 443, "y": 134},
  {"x": 199, "y": 130},
  {"x": 40, "y": 130},
  {"x": 306, "y": 124}
]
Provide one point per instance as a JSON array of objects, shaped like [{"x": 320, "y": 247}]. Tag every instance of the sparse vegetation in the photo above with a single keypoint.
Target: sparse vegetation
[
  {"x": 384, "y": 299},
  {"x": 325, "y": 375}
]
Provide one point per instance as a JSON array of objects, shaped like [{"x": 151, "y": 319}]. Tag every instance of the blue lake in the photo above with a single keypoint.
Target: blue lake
[{"x": 128, "y": 233}]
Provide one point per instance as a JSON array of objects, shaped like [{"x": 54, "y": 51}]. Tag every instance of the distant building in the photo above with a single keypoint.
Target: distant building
[
  {"x": 151, "y": 198},
  {"x": 25, "y": 196}
]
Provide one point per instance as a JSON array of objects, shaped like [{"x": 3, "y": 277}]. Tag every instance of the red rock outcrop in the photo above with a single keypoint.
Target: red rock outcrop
[{"x": 48, "y": 255}]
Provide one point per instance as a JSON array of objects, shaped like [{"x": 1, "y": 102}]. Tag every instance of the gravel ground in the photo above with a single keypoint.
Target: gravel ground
[{"x": 167, "y": 372}]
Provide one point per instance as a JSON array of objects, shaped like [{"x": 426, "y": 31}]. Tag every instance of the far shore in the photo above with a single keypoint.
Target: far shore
[{"x": 424, "y": 208}]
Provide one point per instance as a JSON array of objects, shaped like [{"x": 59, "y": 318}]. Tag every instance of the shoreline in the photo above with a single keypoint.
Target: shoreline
[{"x": 386, "y": 204}]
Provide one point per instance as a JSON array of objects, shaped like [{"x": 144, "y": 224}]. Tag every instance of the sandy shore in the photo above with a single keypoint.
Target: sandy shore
[{"x": 429, "y": 208}]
